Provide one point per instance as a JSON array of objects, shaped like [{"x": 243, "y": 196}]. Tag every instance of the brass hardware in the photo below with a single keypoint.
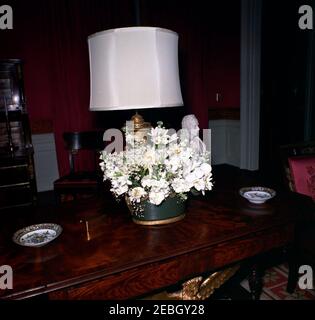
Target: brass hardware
[
  {"x": 199, "y": 289},
  {"x": 159, "y": 222},
  {"x": 87, "y": 231},
  {"x": 140, "y": 128},
  {"x": 135, "y": 209},
  {"x": 88, "y": 237},
  {"x": 139, "y": 122}
]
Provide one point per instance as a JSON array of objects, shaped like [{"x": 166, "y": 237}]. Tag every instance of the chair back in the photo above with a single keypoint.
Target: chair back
[
  {"x": 298, "y": 162},
  {"x": 86, "y": 140}
]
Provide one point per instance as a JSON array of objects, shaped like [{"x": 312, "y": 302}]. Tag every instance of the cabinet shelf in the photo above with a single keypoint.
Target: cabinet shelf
[
  {"x": 17, "y": 176},
  {"x": 16, "y": 185}
]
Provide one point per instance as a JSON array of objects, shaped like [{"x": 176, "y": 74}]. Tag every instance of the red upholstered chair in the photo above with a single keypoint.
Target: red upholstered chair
[
  {"x": 299, "y": 167},
  {"x": 80, "y": 183},
  {"x": 302, "y": 169}
]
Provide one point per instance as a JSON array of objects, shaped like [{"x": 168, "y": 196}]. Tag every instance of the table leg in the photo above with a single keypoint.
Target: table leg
[{"x": 255, "y": 281}]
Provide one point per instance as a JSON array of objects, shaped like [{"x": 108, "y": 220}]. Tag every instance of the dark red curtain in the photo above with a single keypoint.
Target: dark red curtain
[
  {"x": 51, "y": 37},
  {"x": 209, "y": 49},
  {"x": 186, "y": 19}
]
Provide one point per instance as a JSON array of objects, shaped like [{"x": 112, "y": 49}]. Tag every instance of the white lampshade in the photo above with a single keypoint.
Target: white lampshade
[{"x": 134, "y": 68}]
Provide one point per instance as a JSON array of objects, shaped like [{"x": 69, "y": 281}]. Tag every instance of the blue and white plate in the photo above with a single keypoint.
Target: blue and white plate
[
  {"x": 257, "y": 195},
  {"x": 37, "y": 235}
]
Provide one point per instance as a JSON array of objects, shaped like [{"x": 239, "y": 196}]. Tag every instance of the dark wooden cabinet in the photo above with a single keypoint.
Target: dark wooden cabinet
[{"x": 17, "y": 174}]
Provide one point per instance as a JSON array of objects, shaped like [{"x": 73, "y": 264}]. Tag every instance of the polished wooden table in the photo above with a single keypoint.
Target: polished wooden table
[{"x": 102, "y": 254}]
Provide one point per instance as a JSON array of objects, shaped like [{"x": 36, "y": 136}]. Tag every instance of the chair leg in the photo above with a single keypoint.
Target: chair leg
[
  {"x": 292, "y": 279},
  {"x": 293, "y": 261},
  {"x": 255, "y": 281}
]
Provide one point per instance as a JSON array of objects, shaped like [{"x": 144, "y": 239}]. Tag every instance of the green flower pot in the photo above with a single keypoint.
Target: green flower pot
[{"x": 170, "y": 210}]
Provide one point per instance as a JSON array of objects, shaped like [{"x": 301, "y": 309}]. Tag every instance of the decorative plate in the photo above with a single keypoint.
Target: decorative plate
[
  {"x": 37, "y": 235},
  {"x": 257, "y": 195}
]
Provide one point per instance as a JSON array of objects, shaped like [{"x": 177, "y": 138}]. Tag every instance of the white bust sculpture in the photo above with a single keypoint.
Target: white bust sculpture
[{"x": 190, "y": 126}]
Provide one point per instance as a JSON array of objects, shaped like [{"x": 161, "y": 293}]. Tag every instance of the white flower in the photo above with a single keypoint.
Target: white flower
[
  {"x": 159, "y": 136},
  {"x": 120, "y": 190},
  {"x": 180, "y": 185},
  {"x": 156, "y": 197},
  {"x": 146, "y": 182},
  {"x": 198, "y": 173},
  {"x": 173, "y": 164},
  {"x": 205, "y": 168},
  {"x": 209, "y": 183},
  {"x": 177, "y": 150},
  {"x": 149, "y": 158},
  {"x": 136, "y": 194},
  {"x": 199, "y": 184},
  {"x": 190, "y": 178},
  {"x": 168, "y": 166},
  {"x": 159, "y": 183}
]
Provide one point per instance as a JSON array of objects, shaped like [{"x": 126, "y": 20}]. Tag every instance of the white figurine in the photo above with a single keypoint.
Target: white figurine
[{"x": 190, "y": 126}]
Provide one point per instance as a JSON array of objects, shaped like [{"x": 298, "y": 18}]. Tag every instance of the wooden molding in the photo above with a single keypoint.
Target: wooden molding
[{"x": 224, "y": 113}]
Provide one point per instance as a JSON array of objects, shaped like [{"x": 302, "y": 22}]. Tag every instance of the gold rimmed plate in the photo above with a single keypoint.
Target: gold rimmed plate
[
  {"x": 257, "y": 195},
  {"x": 37, "y": 235}
]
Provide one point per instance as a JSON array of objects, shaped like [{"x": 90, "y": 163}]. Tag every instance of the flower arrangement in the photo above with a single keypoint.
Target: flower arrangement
[{"x": 162, "y": 166}]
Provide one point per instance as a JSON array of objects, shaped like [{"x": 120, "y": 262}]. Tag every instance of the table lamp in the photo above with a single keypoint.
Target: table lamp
[{"x": 134, "y": 68}]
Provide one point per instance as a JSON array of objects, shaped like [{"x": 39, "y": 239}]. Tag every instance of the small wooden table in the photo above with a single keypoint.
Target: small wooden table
[{"x": 102, "y": 254}]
